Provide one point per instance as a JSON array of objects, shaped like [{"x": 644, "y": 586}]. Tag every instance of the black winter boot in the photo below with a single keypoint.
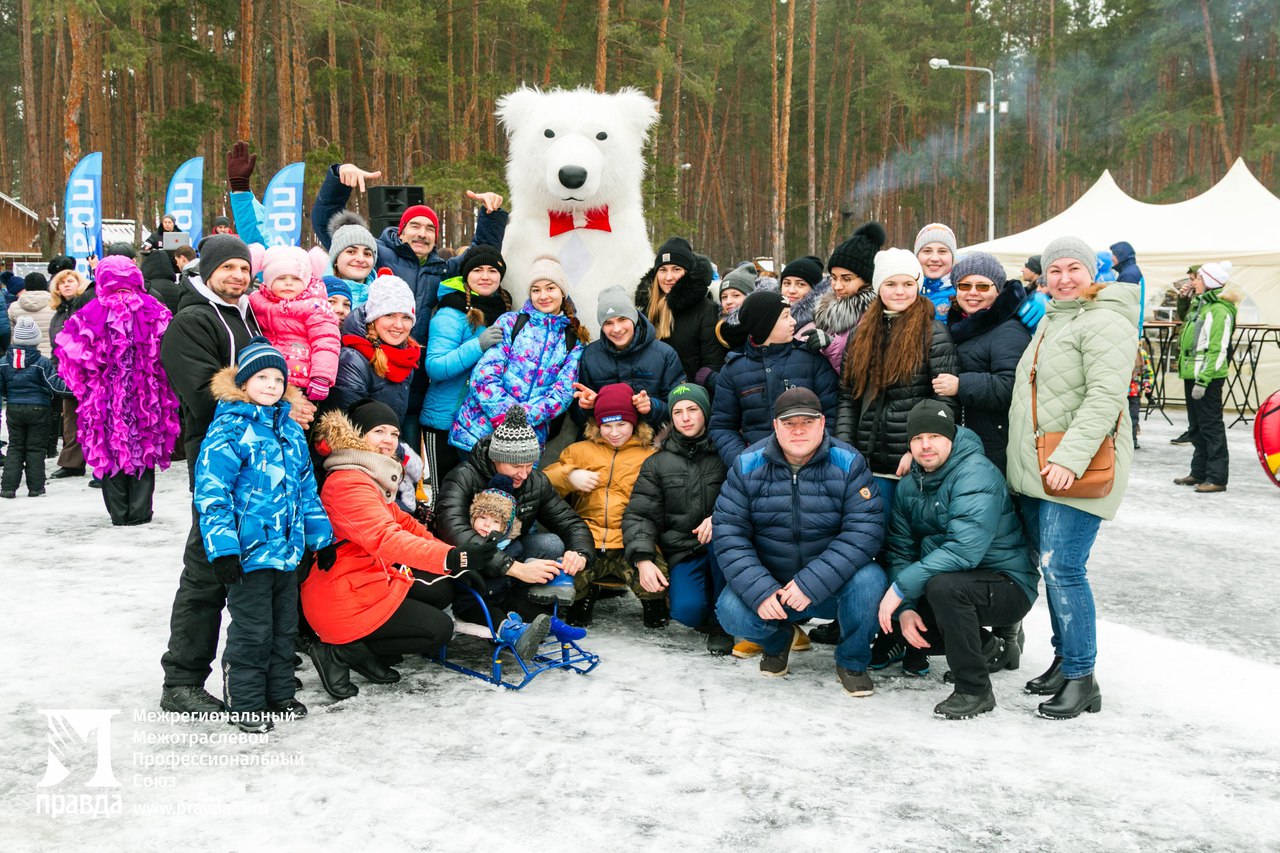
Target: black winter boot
[
  {"x": 886, "y": 649},
  {"x": 1005, "y": 653},
  {"x": 657, "y": 613},
  {"x": 828, "y": 634},
  {"x": 360, "y": 658},
  {"x": 964, "y": 706},
  {"x": 719, "y": 643},
  {"x": 579, "y": 615},
  {"x": 1048, "y": 683},
  {"x": 334, "y": 675},
  {"x": 190, "y": 699},
  {"x": 1076, "y": 696}
]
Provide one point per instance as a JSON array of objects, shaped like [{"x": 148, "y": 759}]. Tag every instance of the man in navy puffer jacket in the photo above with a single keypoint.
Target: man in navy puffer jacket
[{"x": 797, "y": 527}]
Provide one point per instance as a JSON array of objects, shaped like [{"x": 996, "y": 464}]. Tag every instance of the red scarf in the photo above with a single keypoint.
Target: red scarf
[{"x": 400, "y": 360}]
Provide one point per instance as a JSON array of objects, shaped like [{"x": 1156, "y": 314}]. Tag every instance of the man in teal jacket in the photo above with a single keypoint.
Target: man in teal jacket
[
  {"x": 1204, "y": 359},
  {"x": 957, "y": 555}
]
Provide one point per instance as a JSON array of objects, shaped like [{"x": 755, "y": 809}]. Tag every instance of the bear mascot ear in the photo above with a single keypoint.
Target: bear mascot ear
[
  {"x": 516, "y": 109},
  {"x": 637, "y": 109}
]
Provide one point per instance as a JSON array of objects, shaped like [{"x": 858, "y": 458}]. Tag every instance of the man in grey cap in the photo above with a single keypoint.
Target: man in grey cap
[
  {"x": 628, "y": 351},
  {"x": 797, "y": 526}
]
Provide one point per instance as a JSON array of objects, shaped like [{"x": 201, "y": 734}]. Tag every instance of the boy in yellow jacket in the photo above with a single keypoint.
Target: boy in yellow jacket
[{"x": 596, "y": 476}]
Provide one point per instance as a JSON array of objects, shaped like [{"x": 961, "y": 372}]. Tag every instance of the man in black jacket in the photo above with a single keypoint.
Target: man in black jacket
[
  {"x": 562, "y": 543},
  {"x": 212, "y": 324}
]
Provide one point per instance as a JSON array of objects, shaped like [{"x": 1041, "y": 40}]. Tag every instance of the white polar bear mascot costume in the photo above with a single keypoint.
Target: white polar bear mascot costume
[{"x": 575, "y": 168}]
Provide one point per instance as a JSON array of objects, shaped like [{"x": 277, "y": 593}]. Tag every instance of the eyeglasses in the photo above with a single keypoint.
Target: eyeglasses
[{"x": 980, "y": 286}]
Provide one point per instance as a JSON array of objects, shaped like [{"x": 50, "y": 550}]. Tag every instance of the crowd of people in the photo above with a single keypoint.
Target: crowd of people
[{"x": 899, "y": 441}]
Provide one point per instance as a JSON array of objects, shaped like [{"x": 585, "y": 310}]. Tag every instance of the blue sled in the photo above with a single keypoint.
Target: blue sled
[{"x": 552, "y": 654}]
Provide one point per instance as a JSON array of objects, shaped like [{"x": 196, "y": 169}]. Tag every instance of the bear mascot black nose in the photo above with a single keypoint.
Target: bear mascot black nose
[{"x": 573, "y": 176}]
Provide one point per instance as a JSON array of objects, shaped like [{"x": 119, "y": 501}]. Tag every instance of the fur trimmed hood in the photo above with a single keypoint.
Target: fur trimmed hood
[
  {"x": 835, "y": 316},
  {"x": 344, "y": 449},
  {"x": 692, "y": 287},
  {"x": 223, "y": 387},
  {"x": 643, "y": 435}
]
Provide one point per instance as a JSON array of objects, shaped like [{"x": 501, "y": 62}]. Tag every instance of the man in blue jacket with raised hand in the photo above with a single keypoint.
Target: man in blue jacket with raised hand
[
  {"x": 957, "y": 555},
  {"x": 797, "y": 527}
]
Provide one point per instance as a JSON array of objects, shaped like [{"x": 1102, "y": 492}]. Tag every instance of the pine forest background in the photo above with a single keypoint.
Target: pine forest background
[{"x": 784, "y": 124}]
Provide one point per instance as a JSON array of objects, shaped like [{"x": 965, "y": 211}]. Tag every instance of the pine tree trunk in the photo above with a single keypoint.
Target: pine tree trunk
[
  {"x": 247, "y": 38},
  {"x": 553, "y": 51},
  {"x": 784, "y": 134},
  {"x": 812, "y": 237},
  {"x": 335, "y": 116},
  {"x": 602, "y": 42},
  {"x": 1217, "y": 87}
]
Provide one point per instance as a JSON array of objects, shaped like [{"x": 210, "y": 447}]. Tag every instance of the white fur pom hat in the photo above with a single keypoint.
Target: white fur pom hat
[
  {"x": 1215, "y": 274},
  {"x": 388, "y": 294},
  {"x": 895, "y": 262}
]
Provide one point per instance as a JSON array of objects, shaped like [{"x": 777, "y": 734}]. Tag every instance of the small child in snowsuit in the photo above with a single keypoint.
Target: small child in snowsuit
[
  {"x": 259, "y": 510},
  {"x": 294, "y": 313},
  {"x": 28, "y": 384},
  {"x": 596, "y": 475},
  {"x": 1139, "y": 385}
]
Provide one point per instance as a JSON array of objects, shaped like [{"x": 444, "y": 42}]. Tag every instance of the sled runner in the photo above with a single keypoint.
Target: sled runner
[{"x": 552, "y": 654}]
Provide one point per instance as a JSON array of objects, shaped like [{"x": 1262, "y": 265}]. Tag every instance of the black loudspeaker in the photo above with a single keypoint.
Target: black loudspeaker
[{"x": 387, "y": 204}]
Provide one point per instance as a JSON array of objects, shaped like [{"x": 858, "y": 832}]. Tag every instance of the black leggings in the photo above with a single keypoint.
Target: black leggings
[{"x": 419, "y": 626}]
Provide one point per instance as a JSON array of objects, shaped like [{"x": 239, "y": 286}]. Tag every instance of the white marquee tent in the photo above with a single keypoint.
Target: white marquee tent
[{"x": 1238, "y": 219}]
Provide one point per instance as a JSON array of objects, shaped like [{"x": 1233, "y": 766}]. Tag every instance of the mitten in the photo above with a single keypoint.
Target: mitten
[
  {"x": 1197, "y": 393},
  {"x": 317, "y": 389},
  {"x": 816, "y": 340},
  {"x": 326, "y": 557},
  {"x": 240, "y": 164},
  {"x": 227, "y": 569},
  {"x": 490, "y": 336}
]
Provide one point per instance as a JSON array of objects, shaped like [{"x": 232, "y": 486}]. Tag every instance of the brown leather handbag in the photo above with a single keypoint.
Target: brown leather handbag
[{"x": 1098, "y": 477}]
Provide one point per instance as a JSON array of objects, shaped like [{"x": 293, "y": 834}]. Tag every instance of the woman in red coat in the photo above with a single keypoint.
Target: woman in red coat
[{"x": 385, "y": 593}]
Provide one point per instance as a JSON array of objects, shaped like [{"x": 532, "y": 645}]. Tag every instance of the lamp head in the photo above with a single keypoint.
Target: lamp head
[{"x": 936, "y": 63}]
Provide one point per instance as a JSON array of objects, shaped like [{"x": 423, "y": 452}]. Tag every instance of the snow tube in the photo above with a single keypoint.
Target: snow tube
[{"x": 1266, "y": 435}]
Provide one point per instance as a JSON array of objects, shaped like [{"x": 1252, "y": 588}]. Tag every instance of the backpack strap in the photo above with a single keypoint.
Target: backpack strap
[{"x": 522, "y": 320}]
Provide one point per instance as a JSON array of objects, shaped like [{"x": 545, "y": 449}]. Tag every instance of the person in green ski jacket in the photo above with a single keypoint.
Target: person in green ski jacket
[{"x": 1204, "y": 358}]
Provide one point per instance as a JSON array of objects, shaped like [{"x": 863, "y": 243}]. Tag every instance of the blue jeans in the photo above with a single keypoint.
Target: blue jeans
[
  {"x": 887, "y": 486},
  {"x": 1061, "y": 538},
  {"x": 694, "y": 586},
  {"x": 857, "y": 604}
]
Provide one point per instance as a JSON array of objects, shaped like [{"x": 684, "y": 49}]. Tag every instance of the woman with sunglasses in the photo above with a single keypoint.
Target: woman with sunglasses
[{"x": 989, "y": 340}]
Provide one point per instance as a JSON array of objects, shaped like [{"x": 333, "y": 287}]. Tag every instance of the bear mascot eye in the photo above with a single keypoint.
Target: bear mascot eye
[
  {"x": 602, "y": 136},
  {"x": 549, "y": 133}
]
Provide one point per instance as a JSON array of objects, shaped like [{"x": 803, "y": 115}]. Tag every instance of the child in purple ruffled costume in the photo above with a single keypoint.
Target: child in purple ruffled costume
[{"x": 109, "y": 356}]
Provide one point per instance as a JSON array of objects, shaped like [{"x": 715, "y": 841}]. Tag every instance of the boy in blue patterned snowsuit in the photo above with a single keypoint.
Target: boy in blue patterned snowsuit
[{"x": 259, "y": 510}]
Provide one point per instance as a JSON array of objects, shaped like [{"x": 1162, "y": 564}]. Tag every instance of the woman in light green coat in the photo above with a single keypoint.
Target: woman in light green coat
[{"x": 1087, "y": 343}]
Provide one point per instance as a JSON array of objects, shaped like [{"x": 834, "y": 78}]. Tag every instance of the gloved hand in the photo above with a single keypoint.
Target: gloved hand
[
  {"x": 326, "y": 557},
  {"x": 816, "y": 340},
  {"x": 1197, "y": 393},
  {"x": 472, "y": 563},
  {"x": 1032, "y": 309},
  {"x": 490, "y": 336},
  {"x": 227, "y": 569},
  {"x": 240, "y": 165}
]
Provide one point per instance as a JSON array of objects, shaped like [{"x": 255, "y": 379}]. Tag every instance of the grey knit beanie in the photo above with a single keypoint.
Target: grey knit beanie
[
  {"x": 741, "y": 279},
  {"x": 348, "y": 228},
  {"x": 216, "y": 249},
  {"x": 25, "y": 333},
  {"x": 1069, "y": 247},
  {"x": 979, "y": 263},
  {"x": 614, "y": 302},
  {"x": 936, "y": 232},
  {"x": 514, "y": 441}
]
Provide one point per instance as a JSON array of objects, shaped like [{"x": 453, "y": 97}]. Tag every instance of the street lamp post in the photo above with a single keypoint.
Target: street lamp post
[{"x": 991, "y": 124}]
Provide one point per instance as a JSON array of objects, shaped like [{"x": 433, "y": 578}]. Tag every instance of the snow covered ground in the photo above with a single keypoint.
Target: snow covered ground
[{"x": 663, "y": 747}]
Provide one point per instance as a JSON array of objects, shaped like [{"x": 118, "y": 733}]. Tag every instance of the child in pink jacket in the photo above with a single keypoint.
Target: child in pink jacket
[{"x": 293, "y": 312}]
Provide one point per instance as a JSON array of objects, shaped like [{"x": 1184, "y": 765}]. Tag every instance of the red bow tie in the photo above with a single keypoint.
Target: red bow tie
[{"x": 596, "y": 218}]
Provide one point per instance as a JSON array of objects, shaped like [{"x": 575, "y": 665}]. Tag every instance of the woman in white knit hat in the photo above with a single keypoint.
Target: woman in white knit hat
[
  {"x": 378, "y": 355},
  {"x": 535, "y": 364}
]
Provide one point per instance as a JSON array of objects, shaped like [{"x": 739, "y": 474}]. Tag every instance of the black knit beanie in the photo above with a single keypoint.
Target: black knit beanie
[
  {"x": 216, "y": 249},
  {"x": 858, "y": 253},
  {"x": 368, "y": 413},
  {"x": 675, "y": 251},
  {"x": 759, "y": 314},
  {"x": 482, "y": 255},
  {"x": 808, "y": 268}
]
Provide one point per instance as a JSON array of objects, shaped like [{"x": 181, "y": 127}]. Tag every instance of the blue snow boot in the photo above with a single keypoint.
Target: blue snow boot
[
  {"x": 566, "y": 633},
  {"x": 524, "y": 638},
  {"x": 558, "y": 590}
]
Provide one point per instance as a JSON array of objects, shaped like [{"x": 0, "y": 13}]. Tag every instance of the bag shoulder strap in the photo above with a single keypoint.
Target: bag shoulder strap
[
  {"x": 522, "y": 320},
  {"x": 1035, "y": 359}
]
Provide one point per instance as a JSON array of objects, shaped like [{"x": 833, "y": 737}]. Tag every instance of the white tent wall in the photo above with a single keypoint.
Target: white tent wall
[{"x": 1237, "y": 219}]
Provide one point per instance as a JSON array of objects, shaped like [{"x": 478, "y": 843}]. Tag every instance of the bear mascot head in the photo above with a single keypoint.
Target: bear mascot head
[{"x": 575, "y": 167}]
